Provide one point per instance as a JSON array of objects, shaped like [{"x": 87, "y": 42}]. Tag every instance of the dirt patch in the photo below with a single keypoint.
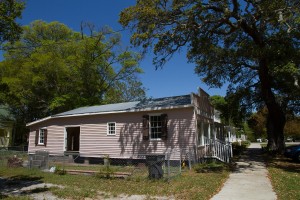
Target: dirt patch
[{"x": 35, "y": 189}]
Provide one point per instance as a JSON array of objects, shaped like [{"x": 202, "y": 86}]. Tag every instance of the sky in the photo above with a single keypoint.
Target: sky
[{"x": 177, "y": 77}]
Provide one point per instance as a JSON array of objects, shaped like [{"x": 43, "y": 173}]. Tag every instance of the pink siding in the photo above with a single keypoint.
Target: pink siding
[{"x": 128, "y": 142}]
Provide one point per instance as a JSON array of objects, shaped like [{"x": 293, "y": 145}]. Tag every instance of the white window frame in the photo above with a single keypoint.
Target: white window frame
[
  {"x": 42, "y": 130},
  {"x": 111, "y": 132},
  {"x": 150, "y": 127}
]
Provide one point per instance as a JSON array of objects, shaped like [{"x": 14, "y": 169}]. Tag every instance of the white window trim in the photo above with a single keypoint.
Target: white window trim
[
  {"x": 39, "y": 138},
  {"x": 107, "y": 132},
  {"x": 152, "y": 115}
]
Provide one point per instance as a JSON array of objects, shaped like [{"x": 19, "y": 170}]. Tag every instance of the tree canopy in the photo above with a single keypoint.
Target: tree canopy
[
  {"x": 10, "y": 10},
  {"x": 53, "y": 69},
  {"x": 253, "y": 45},
  {"x": 232, "y": 113}
]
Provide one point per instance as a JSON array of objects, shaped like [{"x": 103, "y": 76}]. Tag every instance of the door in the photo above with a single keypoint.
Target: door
[{"x": 72, "y": 139}]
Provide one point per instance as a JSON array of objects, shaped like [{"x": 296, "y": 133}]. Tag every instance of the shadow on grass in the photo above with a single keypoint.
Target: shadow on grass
[
  {"x": 286, "y": 164},
  {"x": 15, "y": 183},
  {"x": 36, "y": 190}
]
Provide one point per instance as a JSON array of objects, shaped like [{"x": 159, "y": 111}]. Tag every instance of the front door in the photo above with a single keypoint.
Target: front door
[{"x": 72, "y": 139}]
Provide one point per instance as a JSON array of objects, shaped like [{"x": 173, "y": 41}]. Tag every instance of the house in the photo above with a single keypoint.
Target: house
[
  {"x": 6, "y": 127},
  {"x": 131, "y": 129}
]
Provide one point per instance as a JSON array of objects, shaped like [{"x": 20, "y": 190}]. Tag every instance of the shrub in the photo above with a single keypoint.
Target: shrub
[
  {"x": 246, "y": 143},
  {"x": 239, "y": 147},
  {"x": 107, "y": 171},
  {"x": 59, "y": 171},
  {"x": 14, "y": 162}
]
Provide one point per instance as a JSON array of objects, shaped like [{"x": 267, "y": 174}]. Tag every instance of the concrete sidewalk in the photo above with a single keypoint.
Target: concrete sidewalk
[{"x": 250, "y": 180}]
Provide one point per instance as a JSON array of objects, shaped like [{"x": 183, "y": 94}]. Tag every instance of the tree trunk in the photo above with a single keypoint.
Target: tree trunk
[
  {"x": 275, "y": 126},
  {"x": 276, "y": 116}
]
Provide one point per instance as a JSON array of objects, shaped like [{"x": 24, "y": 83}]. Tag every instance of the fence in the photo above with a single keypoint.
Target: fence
[
  {"x": 166, "y": 166},
  {"x": 141, "y": 166}
]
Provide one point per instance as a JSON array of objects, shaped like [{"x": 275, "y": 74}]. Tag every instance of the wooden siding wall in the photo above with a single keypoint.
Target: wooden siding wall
[
  {"x": 203, "y": 108},
  {"x": 128, "y": 141}
]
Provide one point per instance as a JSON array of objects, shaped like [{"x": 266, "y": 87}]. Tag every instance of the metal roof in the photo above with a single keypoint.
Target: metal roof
[
  {"x": 132, "y": 106},
  {"x": 135, "y": 106},
  {"x": 174, "y": 101},
  {"x": 101, "y": 108}
]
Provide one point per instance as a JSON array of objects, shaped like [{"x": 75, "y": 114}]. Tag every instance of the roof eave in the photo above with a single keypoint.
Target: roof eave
[{"x": 38, "y": 121}]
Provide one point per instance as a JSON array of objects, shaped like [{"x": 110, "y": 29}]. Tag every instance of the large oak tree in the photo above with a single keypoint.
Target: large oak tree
[{"x": 253, "y": 44}]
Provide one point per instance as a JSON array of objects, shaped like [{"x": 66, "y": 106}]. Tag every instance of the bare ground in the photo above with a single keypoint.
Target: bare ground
[{"x": 37, "y": 190}]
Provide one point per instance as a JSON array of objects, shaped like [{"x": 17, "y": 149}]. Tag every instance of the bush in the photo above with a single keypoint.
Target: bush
[
  {"x": 107, "y": 171},
  {"x": 239, "y": 147},
  {"x": 59, "y": 171},
  {"x": 14, "y": 162},
  {"x": 246, "y": 143}
]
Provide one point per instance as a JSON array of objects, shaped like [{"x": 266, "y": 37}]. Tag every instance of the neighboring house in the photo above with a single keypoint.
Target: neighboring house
[
  {"x": 128, "y": 130},
  {"x": 6, "y": 127}
]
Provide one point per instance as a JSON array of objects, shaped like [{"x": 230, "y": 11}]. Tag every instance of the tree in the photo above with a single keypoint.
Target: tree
[
  {"x": 292, "y": 128},
  {"x": 53, "y": 69},
  {"x": 247, "y": 43},
  {"x": 257, "y": 122},
  {"x": 10, "y": 10},
  {"x": 232, "y": 111}
]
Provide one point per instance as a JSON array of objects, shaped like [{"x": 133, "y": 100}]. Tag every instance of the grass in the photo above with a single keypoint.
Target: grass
[
  {"x": 285, "y": 177},
  {"x": 190, "y": 185}
]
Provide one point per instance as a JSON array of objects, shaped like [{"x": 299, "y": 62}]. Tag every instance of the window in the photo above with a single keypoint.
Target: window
[
  {"x": 111, "y": 128},
  {"x": 155, "y": 127},
  {"x": 42, "y": 136}
]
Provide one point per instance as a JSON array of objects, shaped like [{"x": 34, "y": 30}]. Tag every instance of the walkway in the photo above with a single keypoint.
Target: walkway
[{"x": 250, "y": 180}]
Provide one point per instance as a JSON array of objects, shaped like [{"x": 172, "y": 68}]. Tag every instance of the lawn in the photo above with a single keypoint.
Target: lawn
[
  {"x": 189, "y": 185},
  {"x": 285, "y": 178}
]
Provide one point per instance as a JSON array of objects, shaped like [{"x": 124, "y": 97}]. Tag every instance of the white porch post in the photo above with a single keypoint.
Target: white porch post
[
  {"x": 208, "y": 131},
  {"x": 202, "y": 133},
  {"x": 229, "y": 134},
  {"x": 215, "y": 130}
]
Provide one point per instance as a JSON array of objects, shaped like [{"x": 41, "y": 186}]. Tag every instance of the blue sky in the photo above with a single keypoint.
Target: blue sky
[{"x": 176, "y": 78}]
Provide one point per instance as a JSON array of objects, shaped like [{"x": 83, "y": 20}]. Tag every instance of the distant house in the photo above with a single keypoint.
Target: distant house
[
  {"x": 127, "y": 130},
  {"x": 6, "y": 127}
]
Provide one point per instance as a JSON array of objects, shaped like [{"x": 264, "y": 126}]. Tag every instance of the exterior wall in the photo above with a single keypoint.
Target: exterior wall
[{"x": 128, "y": 141}]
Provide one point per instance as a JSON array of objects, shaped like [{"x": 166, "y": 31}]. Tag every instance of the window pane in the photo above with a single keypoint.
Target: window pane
[
  {"x": 111, "y": 128},
  {"x": 41, "y": 136},
  {"x": 155, "y": 127}
]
